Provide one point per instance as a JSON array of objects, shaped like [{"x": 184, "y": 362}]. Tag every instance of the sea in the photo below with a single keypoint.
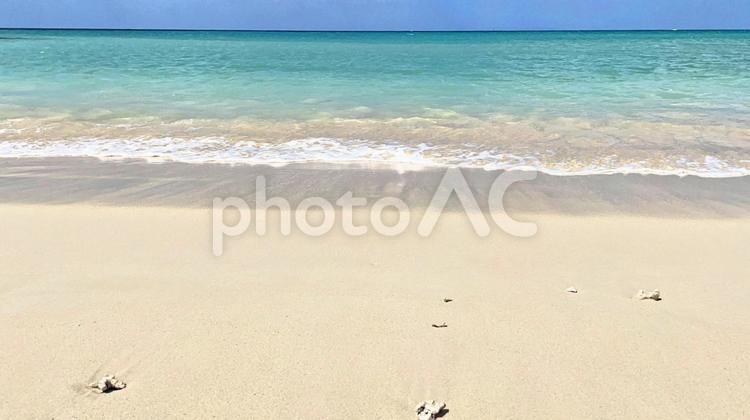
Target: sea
[{"x": 564, "y": 103}]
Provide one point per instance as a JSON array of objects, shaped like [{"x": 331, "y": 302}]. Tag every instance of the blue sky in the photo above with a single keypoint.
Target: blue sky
[{"x": 378, "y": 14}]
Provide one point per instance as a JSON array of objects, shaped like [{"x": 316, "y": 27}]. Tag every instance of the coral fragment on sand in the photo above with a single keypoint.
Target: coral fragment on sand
[
  {"x": 108, "y": 383},
  {"x": 645, "y": 295},
  {"x": 429, "y": 410}
]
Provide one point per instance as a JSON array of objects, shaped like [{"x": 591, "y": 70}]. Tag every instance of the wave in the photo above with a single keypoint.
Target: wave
[{"x": 387, "y": 154}]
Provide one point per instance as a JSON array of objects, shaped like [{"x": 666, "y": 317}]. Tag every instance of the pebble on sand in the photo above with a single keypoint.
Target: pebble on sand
[
  {"x": 645, "y": 295},
  {"x": 429, "y": 410},
  {"x": 571, "y": 290},
  {"x": 108, "y": 383},
  {"x": 443, "y": 325}
]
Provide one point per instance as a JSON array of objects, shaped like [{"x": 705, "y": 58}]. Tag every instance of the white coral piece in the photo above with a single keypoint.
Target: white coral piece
[
  {"x": 645, "y": 295},
  {"x": 429, "y": 410},
  {"x": 108, "y": 383}
]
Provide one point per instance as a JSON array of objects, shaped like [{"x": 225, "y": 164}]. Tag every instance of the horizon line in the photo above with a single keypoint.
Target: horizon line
[{"x": 373, "y": 30}]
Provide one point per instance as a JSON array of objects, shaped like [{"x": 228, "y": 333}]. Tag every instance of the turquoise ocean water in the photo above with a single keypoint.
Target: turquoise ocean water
[{"x": 565, "y": 102}]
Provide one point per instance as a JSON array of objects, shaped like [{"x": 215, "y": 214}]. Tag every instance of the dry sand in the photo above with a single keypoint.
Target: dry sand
[{"x": 339, "y": 327}]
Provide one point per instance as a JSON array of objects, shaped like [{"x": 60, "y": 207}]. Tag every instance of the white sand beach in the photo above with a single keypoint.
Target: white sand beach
[{"x": 340, "y": 327}]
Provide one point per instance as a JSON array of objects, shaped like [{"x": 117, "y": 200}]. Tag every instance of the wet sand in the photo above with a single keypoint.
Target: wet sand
[{"x": 137, "y": 183}]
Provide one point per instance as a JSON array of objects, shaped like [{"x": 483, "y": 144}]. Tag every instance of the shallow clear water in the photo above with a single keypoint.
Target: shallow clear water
[{"x": 568, "y": 102}]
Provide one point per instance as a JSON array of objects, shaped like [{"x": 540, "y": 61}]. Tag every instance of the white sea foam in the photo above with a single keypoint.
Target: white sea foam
[{"x": 337, "y": 151}]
